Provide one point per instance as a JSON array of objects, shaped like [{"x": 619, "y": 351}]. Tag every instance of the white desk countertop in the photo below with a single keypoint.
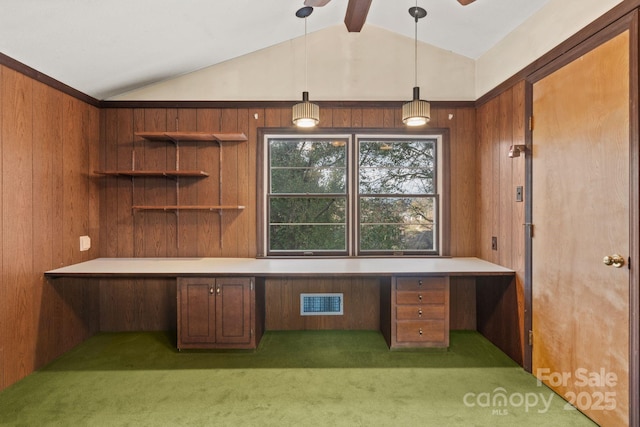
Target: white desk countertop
[{"x": 173, "y": 267}]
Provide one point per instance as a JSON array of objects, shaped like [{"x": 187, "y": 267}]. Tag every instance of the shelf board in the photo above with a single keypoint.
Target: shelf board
[
  {"x": 193, "y": 173},
  {"x": 187, "y": 208},
  {"x": 192, "y": 136}
]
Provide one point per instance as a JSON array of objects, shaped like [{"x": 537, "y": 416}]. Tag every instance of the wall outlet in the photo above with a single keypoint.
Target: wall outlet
[
  {"x": 494, "y": 243},
  {"x": 85, "y": 243}
]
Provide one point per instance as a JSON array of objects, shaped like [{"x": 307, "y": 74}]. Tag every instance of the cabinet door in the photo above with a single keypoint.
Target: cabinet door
[
  {"x": 233, "y": 310},
  {"x": 196, "y": 310}
]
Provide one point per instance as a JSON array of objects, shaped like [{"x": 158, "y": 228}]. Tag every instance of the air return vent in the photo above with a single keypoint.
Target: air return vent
[{"x": 321, "y": 304}]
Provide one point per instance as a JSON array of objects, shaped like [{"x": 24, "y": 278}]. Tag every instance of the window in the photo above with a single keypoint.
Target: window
[{"x": 351, "y": 195}]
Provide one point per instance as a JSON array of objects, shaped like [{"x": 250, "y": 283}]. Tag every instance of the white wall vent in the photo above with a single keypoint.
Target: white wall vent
[{"x": 322, "y": 304}]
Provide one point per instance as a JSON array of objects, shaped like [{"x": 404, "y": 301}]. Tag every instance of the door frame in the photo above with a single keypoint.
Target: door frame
[{"x": 628, "y": 22}]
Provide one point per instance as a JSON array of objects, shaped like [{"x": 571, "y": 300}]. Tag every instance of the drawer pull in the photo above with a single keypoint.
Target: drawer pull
[
  {"x": 420, "y": 297},
  {"x": 419, "y": 312},
  {"x": 419, "y": 282},
  {"x": 420, "y": 331}
]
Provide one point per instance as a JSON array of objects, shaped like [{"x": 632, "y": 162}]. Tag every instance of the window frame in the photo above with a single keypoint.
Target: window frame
[
  {"x": 443, "y": 193},
  {"x": 356, "y": 196}
]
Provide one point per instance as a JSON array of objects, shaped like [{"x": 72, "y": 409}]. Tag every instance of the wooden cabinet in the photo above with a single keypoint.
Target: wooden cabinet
[
  {"x": 217, "y": 313},
  {"x": 419, "y": 312}
]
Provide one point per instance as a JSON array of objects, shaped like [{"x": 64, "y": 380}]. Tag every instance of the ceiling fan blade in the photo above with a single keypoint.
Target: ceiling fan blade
[
  {"x": 465, "y": 2},
  {"x": 316, "y": 3},
  {"x": 357, "y": 11}
]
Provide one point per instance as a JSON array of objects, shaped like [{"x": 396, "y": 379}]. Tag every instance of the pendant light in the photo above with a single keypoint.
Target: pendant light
[
  {"x": 305, "y": 114},
  {"x": 416, "y": 112}
]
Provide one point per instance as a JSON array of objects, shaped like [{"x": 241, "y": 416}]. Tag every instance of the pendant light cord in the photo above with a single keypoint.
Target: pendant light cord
[
  {"x": 415, "y": 53},
  {"x": 306, "y": 70}
]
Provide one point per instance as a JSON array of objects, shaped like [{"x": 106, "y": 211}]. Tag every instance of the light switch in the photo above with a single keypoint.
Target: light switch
[
  {"x": 85, "y": 243},
  {"x": 518, "y": 194}
]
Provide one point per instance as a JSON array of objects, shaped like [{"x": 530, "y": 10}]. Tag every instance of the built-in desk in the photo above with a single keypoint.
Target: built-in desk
[{"x": 221, "y": 301}]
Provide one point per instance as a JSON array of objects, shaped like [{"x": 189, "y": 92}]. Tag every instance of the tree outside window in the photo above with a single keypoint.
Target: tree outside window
[{"x": 351, "y": 195}]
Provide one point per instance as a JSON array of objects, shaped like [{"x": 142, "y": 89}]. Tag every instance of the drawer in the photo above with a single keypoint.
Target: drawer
[
  {"x": 420, "y": 283},
  {"x": 420, "y": 312},
  {"x": 421, "y": 331},
  {"x": 421, "y": 297}
]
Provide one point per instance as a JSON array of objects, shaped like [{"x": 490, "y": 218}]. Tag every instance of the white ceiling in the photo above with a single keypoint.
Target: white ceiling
[{"x": 106, "y": 47}]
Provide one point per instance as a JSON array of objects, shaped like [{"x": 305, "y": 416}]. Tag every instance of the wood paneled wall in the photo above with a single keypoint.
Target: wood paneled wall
[
  {"x": 361, "y": 304},
  {"x": 500, "y": 124},
  {"x": 150, "y": 304},
  {"x": 48, "y": 144}
]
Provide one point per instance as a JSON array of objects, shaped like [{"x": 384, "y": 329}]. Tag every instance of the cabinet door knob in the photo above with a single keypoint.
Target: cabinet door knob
[
  {"x": 420, "y": 331},
  {"x": 419, "y": 312},
  {"x": 211, "y": 290},
  {"x": 218, "y": 290}
]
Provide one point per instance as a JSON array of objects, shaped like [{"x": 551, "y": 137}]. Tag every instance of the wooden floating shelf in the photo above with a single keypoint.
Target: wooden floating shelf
[
  {"x": 188, "y": 208},
  {"x": 193, "y": 173},
  {"x": 192, "y": 136}
]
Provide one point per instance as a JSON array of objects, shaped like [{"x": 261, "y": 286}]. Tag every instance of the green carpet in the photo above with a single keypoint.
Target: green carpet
[{"x": 307, "y": 378}]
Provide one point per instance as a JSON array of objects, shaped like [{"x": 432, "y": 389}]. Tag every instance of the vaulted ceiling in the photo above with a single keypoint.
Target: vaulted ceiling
[{"x": 104, "y": 48}]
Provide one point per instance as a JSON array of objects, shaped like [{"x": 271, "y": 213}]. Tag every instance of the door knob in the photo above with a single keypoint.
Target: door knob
[{"x": 616, "y": 260}]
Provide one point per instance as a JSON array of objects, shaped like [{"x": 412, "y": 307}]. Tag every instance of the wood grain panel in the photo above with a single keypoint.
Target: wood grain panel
[
  {"x": 326, "y": 117},
  {"x": 361, "y": 304},
  {"x": 497, "y": 314},
  {"x": 208, "y": 120},
  {"x": 117, "y": 308},
  {"x": 159, "y": 227},
  {"x": 245, "y": 232},
  {"x": 91, "y": 138},
  {"x": 518, "y": 212},
  {"x": 47, "y": 129},
  {"x": 79, "y": 309},
  {"x": 506, "y": 197},
  {"x": 462, "y": 303},
  {"x": 462, "y": 168},
  {"x": 356, "y": 118},
  {"x": 75, "y": 162},
  {"x": 229, "y": 153},
  {"x": 251, "y": 215},
  {"x": 17, "y": 222},
  {"x": 187, "y": 120},
  {"x": 116, "y": 298},
  {"x": 47, "y": 202},
  {"x": 109, "y": 193},
  {"x": 155, "y": 303},
  {"x": 372, "y": 117},
  {"x": 341, "y": 118},
  {"x": 129, "y": 157},
  {"x": 500, "y": 124},
  {"x": 137, "y": 186}
]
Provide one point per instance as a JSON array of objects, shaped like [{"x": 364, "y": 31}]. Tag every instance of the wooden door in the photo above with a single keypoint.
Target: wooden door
[
  {"x": 580, "y": 212},
  {"x": 233, "y": 310},
  {"x": 196, "y": 311}
]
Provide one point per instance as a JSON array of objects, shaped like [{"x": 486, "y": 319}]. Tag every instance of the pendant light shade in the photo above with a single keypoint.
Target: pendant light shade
[
  {"x": 416, "y": 112},
  {"x": 305, "y": 114}
]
